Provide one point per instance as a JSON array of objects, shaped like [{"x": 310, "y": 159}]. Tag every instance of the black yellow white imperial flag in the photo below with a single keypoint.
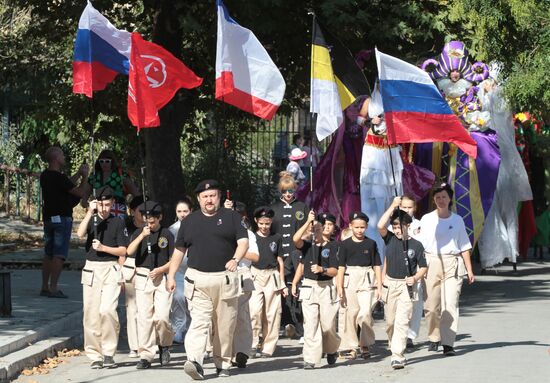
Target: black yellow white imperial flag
[{"x": 336, "y": 81}]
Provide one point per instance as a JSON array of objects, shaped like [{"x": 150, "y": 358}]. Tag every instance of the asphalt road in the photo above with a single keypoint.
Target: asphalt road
[{"x": 504, "y": 336}]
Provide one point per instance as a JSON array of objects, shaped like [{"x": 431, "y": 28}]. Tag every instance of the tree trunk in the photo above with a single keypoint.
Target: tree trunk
[{"x": 162, "y": 145}]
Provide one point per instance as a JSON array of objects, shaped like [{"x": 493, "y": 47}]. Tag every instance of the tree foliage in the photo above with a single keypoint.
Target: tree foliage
[
  {"x": 516, "y": 32},
  {"x": 37, "y": 36}
]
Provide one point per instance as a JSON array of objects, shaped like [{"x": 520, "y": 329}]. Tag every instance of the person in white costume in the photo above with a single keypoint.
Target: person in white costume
[
  {"x": 499, "y": 238},
  {"x": 378, "y": 184},
  {"x": 180, "y": 316}
]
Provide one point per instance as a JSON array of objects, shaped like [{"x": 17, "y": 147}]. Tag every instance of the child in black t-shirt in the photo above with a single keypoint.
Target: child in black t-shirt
[
  {"x": 318, "y": 265},
  {"x": 268, "y": 274},
  {"x": 106, "y": 243},
  {"x": 359, "y": 284},
  {"x": 404, "y": 266},
  {"x": 152, "y": 245}
]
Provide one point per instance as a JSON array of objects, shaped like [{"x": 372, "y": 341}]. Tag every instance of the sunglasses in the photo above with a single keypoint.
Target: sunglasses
[
  {"x": 291, "y": 191},
  {"x": 104, "y": 160}
]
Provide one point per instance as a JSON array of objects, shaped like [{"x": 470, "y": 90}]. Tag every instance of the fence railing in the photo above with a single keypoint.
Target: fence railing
[{"x": 20, "y": 194}]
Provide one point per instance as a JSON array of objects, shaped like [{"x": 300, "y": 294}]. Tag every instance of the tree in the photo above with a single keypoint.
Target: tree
[
  {"x": 37, "y": 36},
  {"x": 516, "y": 32}
]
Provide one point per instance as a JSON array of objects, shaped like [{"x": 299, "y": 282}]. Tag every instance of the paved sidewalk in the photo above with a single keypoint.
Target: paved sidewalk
[
  {"x": 503, "y": 337},
  {"x": 38, "y": 325},
  {"x": 75, "y": 261},
  {"x": 18, "y": 226}
]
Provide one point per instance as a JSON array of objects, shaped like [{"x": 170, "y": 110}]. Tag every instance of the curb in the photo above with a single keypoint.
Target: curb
[
  {"x": 11, "y": 365},
  {"x": 68, "y": 324}
]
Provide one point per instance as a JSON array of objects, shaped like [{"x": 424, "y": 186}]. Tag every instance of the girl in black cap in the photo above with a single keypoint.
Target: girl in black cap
[
  {"x": 269, "y": 276},
  {"x": 152, "y": 246}
]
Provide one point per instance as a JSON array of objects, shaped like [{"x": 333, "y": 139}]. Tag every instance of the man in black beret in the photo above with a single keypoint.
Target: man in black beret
[
  {"x": 106, "y": 241},
  {"x": 215, "y": 242}
]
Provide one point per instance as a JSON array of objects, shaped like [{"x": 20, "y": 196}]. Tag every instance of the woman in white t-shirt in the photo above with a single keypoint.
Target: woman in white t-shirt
[
  {"x": 180, "y": 316},
  {"x": 447, "y": 247}
]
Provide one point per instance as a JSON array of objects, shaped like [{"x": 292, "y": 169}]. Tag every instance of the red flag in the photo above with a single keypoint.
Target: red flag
[{"x": 155, "y": 76}]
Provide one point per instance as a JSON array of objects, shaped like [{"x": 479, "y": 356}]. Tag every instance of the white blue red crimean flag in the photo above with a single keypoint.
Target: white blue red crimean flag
[
  {"x": 414, "y": 109},
  {"x": 101, "y": 52},
  {"x": 246, "y": 77}
]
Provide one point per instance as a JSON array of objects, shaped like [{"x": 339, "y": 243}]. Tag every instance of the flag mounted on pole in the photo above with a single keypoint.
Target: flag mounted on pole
[
  {"x": 155, "y": 76},
  {"x": 100, "y": 53},
  {"x": 336, "y": 81},
  {"x": 246, "y": 77},
  {"x": 414, "y": 109}
]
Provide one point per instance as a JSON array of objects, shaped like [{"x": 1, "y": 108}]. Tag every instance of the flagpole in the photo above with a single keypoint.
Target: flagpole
[
  {"x": 312, "y": 13},
  {"x": 92, "y": 162},
  {"x": 404, "y": 233},
  {"x": 142, "y": 171}
]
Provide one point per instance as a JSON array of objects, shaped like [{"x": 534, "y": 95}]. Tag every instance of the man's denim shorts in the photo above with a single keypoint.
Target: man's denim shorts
[{"x": 57, "y": 237}]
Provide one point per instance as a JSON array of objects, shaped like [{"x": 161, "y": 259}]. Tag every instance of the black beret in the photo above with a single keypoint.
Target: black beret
[
  {"x": 104, "y": 193},
  {"x": 240, "y": 207},
  {"x": 207, "y": 185},
  {"x": 323, "y": 217},
  {"x": 402, "y": 216},
  {"x": 150, "y": 208},
  {"x": 358, "y": 215},
  {"x": 136, "y": 201},
  {"x": 264, "y": 212}
]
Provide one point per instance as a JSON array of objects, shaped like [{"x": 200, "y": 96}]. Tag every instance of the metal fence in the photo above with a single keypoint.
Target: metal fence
[
  {"x": 270, "y": 143},
  {"x": 20, "y": 194}
]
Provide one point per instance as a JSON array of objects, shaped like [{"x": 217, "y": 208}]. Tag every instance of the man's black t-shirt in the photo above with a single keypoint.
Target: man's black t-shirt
[
  {"x": 396, "y": 266},
  {"x": 110, "y": 232},
  {"x": 55, "y": 194},
  {"x": 324, "y": 256},
  {"x": 211, "y": 240},
  {"x": 269, "y": 249},
  {"x": 162, "y": 247},
  {"x": 364, "y": 253}
]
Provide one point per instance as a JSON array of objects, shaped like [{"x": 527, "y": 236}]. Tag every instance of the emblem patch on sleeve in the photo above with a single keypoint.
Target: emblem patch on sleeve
[{"x": 162, "y": 242}]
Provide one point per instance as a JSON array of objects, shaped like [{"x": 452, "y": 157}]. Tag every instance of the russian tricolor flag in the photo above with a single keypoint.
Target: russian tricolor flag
[
  {"x": 100, "y": 52},
  {"x": 414, "y": 109},
  {"x": 246, "y": 77}
]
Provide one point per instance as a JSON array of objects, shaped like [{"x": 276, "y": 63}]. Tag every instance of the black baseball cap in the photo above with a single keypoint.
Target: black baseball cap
[
  {"x": 264, "y": 212},
  {"x": 402, "y": 216},
  {"x": 104, "y": 193},
  {"x": 323, "y": 217},
  {"x": 358, "y": 215},
  {"x": 136, "y": 201},
  {"x": 207, "y": 185},
  {"x": 150, "y": 208}
]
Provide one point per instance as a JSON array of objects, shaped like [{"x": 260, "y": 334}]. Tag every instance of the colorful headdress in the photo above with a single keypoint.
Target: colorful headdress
[
  {"x": 454, "y": 57},
  {"x": 430, "y": 66},
  {"x": 480, "y": 72}
]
